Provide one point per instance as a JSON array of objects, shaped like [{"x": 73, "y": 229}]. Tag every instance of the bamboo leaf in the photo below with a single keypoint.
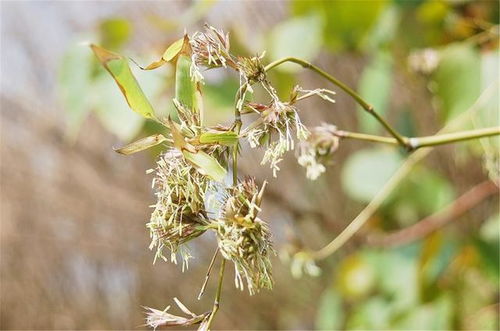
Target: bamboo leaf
[
  {"x": 169, "y": 55},
  {"x": 206, "y": 164},
  {"x": 141, "y": 144},
  {"x": 118, "y": 67},
  {"x": 228, "y": 138},
  {"x": 457, "y": 79},
  {"x": 366, "y": 171},
  {"x": 173, "y": 50},
  {"x": 185, "y": 87}
]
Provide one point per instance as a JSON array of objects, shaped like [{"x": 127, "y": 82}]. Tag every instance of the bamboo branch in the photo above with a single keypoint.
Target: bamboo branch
[
  {"x": 393, "y": 182},
  {"x": 434, "y": 222},
  {"x": 215, "y": 308},
  {"x": 418, "y": 142},
  {"x": 371, "y": 208},
  {"x": 403, "y": 141},
  {"x": 207, "y": 276}
]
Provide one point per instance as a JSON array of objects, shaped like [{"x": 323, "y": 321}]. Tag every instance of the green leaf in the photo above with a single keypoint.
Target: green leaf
[
  {"x": 365, "y": 172},
  {"x": 489, "y": 253},
  {"x": 206, "y": 164},
  {"x": 330, "y": 315},
  {"x": 185, "y": 87},
  {"x": 113, "y": 111},
  {"x": 169, "y": 55},
  {"x": 347, "y": 23},
  {"x": 141, "y": 144},
  {"x": 74, "y": 84},
  {"x": 422, "y": 193},
  {"x": 402, "y": 284},
  {"x": 228, "y": 138},
  {"x": 118, "y": 67},
  {"x": 375, "y": 87},
  {"x": 114, "y": 32},
  {"x": 371, "y": 314},
  {"x": 385, "y": 28},
  {"x": 457, "y": 79},
  {"x": 299, "y": 37},
  {"x": 488, "y": 116},
  {"x": 427, "y": 191},
  {"x": 436, "y": 315},
  {"x": 173, "y": 50}
]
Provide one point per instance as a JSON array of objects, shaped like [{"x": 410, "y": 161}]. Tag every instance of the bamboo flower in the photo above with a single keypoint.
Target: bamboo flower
[
  {"x": 245, "y": 239},
  {"x": 316, "y": 152}
]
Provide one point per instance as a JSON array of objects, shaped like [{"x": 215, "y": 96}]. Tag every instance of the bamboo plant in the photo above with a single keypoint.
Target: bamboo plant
[{"x": 196, "y": 180}]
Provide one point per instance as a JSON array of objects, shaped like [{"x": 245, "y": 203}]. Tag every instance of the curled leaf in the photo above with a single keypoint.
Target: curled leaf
[
  {"x": 174, "y": 49},
  {"x": 118, "y": 67},
  {"x": 169, "y": 55},
  {"x": 141, "y": 144}
]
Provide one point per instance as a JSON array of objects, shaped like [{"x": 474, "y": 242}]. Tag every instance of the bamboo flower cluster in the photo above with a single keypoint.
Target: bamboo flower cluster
[
  {"x": 210, "y": 50},
  {"x": 190, "y": 182},
  {"x": 192, "y": 196},
  {"x": 278, "y": 126},
  {"x": 179, "y": 213},
  {"x": 244, "y": 238}
]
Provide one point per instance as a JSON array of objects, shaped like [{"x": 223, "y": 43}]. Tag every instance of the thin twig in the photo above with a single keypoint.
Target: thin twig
[
  {"x": 237, "y": 128},
  {"x": 371, "y": 208},
  {"x": 432, "y": 223},
  {"x": 393, "y": 182},
  {"x": 365, "y": 105},
  {"x": 207, "y": 277},
  {"x": 426, "y": 141},
  {"x": 217, "y": 295}
]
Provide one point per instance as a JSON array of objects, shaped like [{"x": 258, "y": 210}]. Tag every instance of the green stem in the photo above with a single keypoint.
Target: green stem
[
  {"x": 400, "y": 174},
  {"x": 365, "y": 137},
  {"x": 453, "y": 137},
  {"x": 366, "y": 106},
  {"x": 235, "y": 152},
  {"x": 207, "y": 276},
  {"x": 371, "y": 208},
  {"x": 418, "y": 142},
  {"x": 237, "y": 128},
  {"x": 215, "y": 308}
]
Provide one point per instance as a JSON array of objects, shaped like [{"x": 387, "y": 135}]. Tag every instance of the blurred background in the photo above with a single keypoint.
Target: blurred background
[{"x": 74, "y": 247}]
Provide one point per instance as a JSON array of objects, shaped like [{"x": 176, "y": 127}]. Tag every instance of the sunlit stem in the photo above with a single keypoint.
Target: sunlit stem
[
  {"x": 401, "y": 173},
  {"x": 418, "y": 142},
  {"x": 453, "y": 137},
  {"x": 217, "y": 295},
  {"x": 235, "y": 154},
  {"x": 371, "y": 208},
  {"x": 403, "y": 141},
  {"x": 237, "y": 127},
  {"x": 207, "y": 276}
]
